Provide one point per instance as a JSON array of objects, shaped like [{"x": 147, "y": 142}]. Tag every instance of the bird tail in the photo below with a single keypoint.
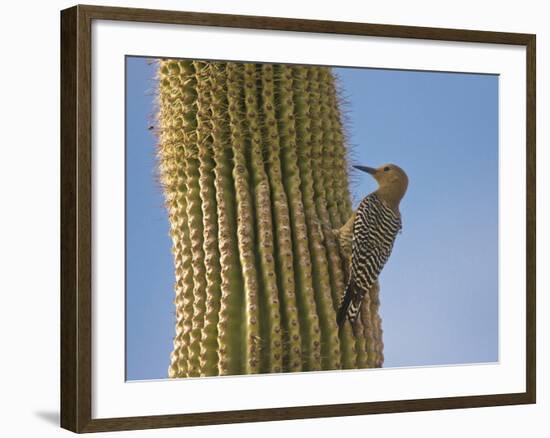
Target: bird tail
[{"x": 345, "y": 305}]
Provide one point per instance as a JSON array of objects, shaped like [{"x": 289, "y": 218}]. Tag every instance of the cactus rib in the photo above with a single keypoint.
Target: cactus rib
[{"x": 283, "y": 249}]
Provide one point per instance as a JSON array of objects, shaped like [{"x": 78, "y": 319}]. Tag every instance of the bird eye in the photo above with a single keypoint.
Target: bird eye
[{"x": 386, "y": 168}]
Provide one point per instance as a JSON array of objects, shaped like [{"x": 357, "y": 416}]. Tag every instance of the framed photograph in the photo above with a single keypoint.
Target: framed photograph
[{"x": 269, "y": 218}]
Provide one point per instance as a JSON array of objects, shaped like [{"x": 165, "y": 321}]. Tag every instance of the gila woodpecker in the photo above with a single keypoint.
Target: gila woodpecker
[{"x": 372, "y": 231}]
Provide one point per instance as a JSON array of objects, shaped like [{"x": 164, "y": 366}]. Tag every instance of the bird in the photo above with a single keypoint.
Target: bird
[{"x": 371, "y": 230}]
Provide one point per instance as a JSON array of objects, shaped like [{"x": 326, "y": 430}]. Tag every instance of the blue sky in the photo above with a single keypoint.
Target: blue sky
[{"x": 439, "y": 291}]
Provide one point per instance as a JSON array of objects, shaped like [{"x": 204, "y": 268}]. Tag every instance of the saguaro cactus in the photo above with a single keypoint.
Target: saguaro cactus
[{"x": 252, "y": 159}]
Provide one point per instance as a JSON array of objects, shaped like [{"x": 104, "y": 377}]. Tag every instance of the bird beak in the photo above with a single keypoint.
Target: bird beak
[{"x": 370, "y": 170}]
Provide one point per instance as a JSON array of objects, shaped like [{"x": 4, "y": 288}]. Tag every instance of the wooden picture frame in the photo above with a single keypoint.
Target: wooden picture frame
[{"x": 76, "y": 217}]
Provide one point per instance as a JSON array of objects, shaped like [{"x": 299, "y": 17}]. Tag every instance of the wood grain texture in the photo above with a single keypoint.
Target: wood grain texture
[
  {"x": 76, "y": 223},
  {"x": 68, "y": 348}
]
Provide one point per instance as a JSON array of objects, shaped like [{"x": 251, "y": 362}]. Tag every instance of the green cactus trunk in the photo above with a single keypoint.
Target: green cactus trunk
[{"x": 253, "y": 163}]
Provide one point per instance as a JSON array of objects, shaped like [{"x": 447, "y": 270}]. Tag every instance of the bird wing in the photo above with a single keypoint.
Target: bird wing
[{"x": 374, "y": 231}]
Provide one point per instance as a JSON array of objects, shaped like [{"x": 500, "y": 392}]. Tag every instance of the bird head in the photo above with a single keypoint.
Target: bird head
[{"x": 392, "y": 182}]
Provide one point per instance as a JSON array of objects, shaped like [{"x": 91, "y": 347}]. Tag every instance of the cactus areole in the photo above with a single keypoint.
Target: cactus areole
[{"x": 253, "y": 164}]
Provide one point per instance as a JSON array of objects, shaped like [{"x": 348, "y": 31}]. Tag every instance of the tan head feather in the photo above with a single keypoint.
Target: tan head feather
[{"x": 392, "y": 183}]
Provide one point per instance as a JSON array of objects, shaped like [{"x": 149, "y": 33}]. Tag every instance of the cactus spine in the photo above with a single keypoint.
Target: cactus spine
[{"x": 252, "y": 159}]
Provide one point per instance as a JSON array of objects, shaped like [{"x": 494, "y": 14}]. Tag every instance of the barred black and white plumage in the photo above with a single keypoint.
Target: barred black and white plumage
[{"x": 375, "y": 228}]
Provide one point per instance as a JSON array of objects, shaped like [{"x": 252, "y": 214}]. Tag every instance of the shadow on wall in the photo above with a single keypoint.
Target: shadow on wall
[{"x": 51, "y": 417}]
